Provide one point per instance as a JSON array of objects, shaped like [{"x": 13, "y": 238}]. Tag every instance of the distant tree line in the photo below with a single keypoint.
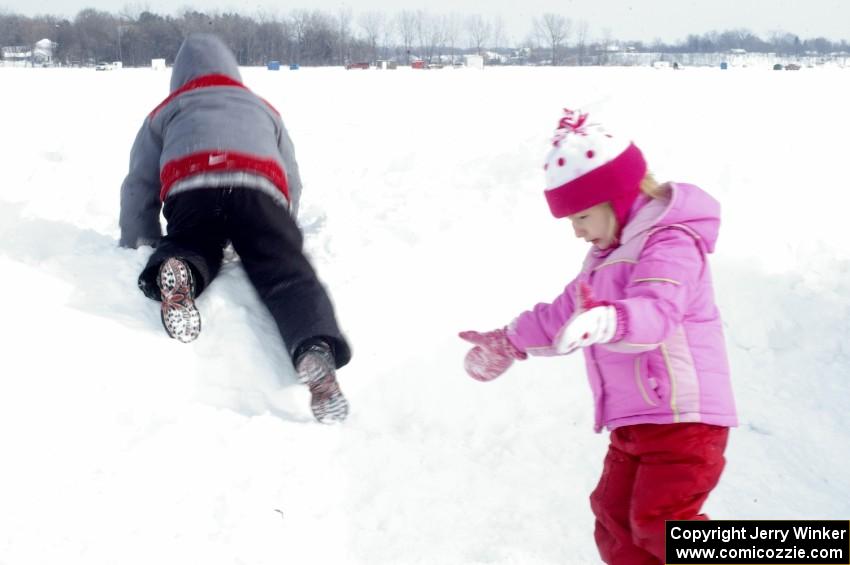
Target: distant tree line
[{"x": 313, "y": 37}]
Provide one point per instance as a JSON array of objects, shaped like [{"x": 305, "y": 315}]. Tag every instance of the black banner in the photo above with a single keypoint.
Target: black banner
[{"x": 758, "y": 542}]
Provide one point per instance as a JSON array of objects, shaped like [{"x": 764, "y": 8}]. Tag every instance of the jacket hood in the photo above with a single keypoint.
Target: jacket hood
[
  {"x": 686, "y": 205},
  {"x": 203, "y": 54}
]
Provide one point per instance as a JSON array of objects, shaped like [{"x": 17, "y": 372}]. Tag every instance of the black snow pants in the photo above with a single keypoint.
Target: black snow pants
[{"x": 270, "y": 245}]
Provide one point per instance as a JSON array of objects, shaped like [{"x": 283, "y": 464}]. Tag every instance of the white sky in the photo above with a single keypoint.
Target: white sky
[{"x": 644, "y": 20}]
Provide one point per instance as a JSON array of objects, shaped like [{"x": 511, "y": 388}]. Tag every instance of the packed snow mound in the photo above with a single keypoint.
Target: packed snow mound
[{"x": 424, "y": 215}]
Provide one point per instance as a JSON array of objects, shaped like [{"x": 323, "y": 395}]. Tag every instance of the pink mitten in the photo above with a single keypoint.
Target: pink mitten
[{"x": 492, "y": 355}]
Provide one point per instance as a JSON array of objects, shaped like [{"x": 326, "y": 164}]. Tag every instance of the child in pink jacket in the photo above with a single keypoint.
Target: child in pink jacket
[{"x": 642, "y": 310}]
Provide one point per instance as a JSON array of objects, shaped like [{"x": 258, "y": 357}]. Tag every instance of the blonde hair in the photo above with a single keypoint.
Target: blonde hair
[{"x": 652, "y": 187}]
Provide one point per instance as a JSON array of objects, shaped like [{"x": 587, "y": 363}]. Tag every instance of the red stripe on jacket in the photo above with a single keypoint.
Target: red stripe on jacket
[
  {"x": 221, "y": 161},
  {"x": 217, "y": 161},
  {"x": 205, "y": 81}
]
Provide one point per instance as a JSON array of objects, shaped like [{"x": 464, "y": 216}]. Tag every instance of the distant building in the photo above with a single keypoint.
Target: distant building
[
  {"x": 44, "y": 50},
  {"x": 12, "y": 53},
  {"x": 474, "y": 61},
  {"x": 491, "y": 57},
  {"x": 39, "y": 54}
]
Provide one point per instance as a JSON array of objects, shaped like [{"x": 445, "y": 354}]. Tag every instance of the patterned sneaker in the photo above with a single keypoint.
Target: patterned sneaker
[
  {"x": 180, "y": 317},
  {"x": 315, "y": 368}
]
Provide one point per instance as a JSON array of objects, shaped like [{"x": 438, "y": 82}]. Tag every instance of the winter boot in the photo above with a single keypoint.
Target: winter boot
[
  {"x": 180, "y": 317},
  {"x": 316, "y": 368}
]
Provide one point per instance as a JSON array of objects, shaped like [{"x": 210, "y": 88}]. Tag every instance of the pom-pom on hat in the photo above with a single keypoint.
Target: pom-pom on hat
[{"x": 588, "y": 166}]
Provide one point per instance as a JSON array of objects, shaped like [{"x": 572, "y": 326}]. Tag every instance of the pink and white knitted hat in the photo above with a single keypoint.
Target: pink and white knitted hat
[{"x": 588, "y": 166}]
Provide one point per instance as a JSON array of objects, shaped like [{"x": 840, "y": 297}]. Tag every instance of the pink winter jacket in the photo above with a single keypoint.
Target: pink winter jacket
[{"x": 668, "y": 364}]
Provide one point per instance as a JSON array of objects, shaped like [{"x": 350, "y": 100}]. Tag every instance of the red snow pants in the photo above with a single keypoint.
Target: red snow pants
[{"x": 653, "y": 473}]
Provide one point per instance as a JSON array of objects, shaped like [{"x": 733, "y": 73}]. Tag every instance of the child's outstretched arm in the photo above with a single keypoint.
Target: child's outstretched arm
[
  {"x": 140, "y": 205},
  {"x": 529, "y": 334},
  {"x": 534, "y": 331},
  {"x": 657, "y": 297}
]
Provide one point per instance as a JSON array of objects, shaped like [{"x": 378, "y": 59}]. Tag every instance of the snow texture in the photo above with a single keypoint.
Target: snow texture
[{"x": 424, "y": 215}]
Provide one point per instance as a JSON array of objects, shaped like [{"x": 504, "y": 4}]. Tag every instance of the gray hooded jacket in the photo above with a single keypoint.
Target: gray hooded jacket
[{"x": 210, "y": 132}]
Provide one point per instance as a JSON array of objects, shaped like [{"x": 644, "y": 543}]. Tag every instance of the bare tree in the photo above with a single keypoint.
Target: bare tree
[
  {"x": 606, "y": 45},
  {"x": 343, "y": 20},
  {"x": 478, "y": 30},
  {"x": 430, "y": 33},
  {"x": 95, "y": 35},
  {"x": 320, "y": 41},
  {"x": 497, "y": 32},
  {"x": 240, "y": 34},
  {"x": 191, "y": 21},
  {"x": 387, "y": 37},
  {"x": 67, "y": 43},
  {"x": 420, "y": 25},
  {"x": 783, "y": 42},
  {"x": 657, "y": 45},
  {"x": 406, "y": 26},
  {"x": 555, "y": 29},
  {"x": 440, "y": 34},
  {"x": 820, "y": 45},
  {"x": 314, "y": 37},
  {"x": 530, "y": 47},
  {"x": 745, "y": 39},
  {"x": 452, "y": 32},
  {"x": 372, "y": 24},
  {"x": 581, "y": 41},
  {"x": 271, "y": 38},
  {"x": 299, "y": 22}
]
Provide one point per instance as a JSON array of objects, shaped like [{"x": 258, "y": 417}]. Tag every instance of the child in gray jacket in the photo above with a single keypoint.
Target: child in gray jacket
[{"x": 218, "y": 161}]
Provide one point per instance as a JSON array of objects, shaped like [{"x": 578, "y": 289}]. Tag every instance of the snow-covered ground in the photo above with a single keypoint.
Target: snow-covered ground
[{"x": 424, "y": 215}]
